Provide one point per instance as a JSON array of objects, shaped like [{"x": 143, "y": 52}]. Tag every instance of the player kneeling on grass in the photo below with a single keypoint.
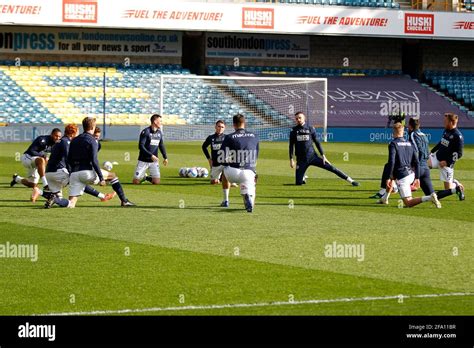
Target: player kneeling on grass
[
  {"x": 151, "y": 139},
  {"x": 82, "y": 159},
  {"x": 445, "y": 154},
  {"x": 404, "y": 167},
  {"x": 215, "y": 142},
  {"x": 34, "y": 160},
  {"x": 239, "y": 153},
  {"x": 110, "y": 177},
  {"x": 57, "y": 171},
  {"x": 302, "y": 137}
]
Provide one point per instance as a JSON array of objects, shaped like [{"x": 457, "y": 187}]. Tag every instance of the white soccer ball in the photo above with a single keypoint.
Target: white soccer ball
[
  {"x": 182, "y": 172},
  {"x": 107, "y": 166},
  {"x": 204, "y": 173},
  {"x": 192, "y": 173}
]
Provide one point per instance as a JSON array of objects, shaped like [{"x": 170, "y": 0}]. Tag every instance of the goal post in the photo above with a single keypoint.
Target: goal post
[{"x": 268, "y": 103}]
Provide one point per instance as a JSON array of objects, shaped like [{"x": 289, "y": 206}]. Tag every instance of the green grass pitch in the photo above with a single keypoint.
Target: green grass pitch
[{"x": 179, "y": 253}]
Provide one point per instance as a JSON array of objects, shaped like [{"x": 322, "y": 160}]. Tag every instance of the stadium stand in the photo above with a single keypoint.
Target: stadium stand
[
  {"x": 216, "y": 70},
  {"x": 62, "y": 92},
  {"x": 457, "y": 85}
]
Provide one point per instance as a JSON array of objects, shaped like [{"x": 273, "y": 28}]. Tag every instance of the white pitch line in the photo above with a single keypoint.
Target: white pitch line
[{"x": 263, "y": 304}]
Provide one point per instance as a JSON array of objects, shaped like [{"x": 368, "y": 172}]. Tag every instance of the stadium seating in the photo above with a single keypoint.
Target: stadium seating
[
  {"x": 53, "y": 92},
  {"x": 216, "y": 70},
  {"x": 66, "y": 92},
  {"x": 457, "y": 85}
]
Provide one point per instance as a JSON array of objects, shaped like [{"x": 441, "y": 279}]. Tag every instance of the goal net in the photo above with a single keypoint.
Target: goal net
[{"x": 192, "y": 104}]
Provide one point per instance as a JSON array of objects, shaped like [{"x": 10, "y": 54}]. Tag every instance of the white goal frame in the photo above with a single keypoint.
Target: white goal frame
[{"x": 251, "y": 78}]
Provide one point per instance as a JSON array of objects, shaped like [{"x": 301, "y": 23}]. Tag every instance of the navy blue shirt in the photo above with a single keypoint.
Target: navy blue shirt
[
  {"x": 301, "y": 140},
  {"x": 421, "y": 143},
  {"x": 149, "y": 143},
  {"x": 215, "y": 141},
  {"x": 58, "y": 158},
  {"x": 40, "y": 145},
  {"x": 83, "y": 154},
  {"x": 450, "y": 148},
  {"x": 240, "y": 150},
  {"x": 402, "y": 158}
]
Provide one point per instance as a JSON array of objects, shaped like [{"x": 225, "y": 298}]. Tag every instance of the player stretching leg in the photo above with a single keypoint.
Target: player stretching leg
[
  {"x": 302, "y": 137},
  {"x": 215, "y": 141},
  {"x": 151, "y": 139},
  {"x": 82, "y": 159},
  {"x": 445, "y": 154},
  {"x": 34, "y": 160},
  {"x": 401, "y": 159},
  {"x": 110, "y": 177},
  {"x": 239, "y": 152}
]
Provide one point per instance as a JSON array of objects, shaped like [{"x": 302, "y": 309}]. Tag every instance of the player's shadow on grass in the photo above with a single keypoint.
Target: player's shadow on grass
[
  {"x": 318, "y": 198},
  {"x": 322, "y": 204}
]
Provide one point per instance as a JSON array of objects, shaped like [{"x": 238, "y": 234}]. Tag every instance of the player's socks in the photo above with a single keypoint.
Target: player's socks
[
  {"x": 225, "y": 194},
  {"x": 426, "y": 199},
  {"x": 62, "y": 202},
  {"x": 93, "y": 192},
  {"x": 44, "y": 181},
  {"x": 148, "y": 178},
  {"x": 379, "y": 194},
  {"x": 117, "y": 187},
  {"x": 445, "y": 193},
  {"x": 18, "y": 179},
  {"x": 349, "y": 180},
  {"x": 248, "y": 203}
]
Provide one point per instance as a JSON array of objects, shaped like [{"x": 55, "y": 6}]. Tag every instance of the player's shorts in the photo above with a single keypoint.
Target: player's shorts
[
  {"x": 57, "y": 180},
  {"x": 105, "y": 174},
  {"x": 244, "y": 177},
  {"x": 216, "y": 172},
  {"x": 30, "y": 165},
  {"x": 446, "y": 174},
  {"x": 79, "y": 180},
  {"x": 404, "y": 185},
  {"x": 142, "y": 167}
]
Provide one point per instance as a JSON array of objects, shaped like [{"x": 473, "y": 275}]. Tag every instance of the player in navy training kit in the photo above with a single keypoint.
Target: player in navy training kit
[
  {"x": 404, "y": 167},
  {"x": 111, "y": 177},
  {"x": 239, "y": 152},
  {"x": 82, "y": 160},
  {"x": 445, "y": 154},
  {"x": 215, "y": 142},
  {"x": 151, "y": 139},
  {"x": 302, "y": 137},
  {"x": 34, "y": 160},
  {"x": 421, "y": 144}
]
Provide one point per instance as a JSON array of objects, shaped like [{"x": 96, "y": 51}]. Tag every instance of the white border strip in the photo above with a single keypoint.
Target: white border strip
[{"x": 251, "y": 305}]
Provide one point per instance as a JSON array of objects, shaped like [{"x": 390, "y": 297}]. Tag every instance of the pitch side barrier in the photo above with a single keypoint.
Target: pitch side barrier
[{"x": 27, "y": 132}]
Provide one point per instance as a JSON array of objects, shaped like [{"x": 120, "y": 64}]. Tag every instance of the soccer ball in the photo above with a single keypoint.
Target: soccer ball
[
  {"x": 107, "y": 166},
  {"x": 204, "y": 172},
  {"x": 183, "y": 172},
  {"x": 192, "y": 173}
]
